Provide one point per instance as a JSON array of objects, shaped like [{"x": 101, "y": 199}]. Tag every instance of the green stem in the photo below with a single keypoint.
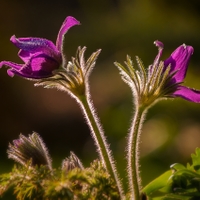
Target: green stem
[
  {"x": 134, "y": 179},
  {"x": 100, "y": 141}
]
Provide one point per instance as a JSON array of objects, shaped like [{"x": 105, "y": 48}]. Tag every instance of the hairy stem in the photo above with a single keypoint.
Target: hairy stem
[
  {"x": 134, "y": 179},
  {"x": 100, "y": 141}
]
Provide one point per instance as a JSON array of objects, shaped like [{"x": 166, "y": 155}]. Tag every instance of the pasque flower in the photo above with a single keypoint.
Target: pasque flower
[
  {"x": 41, "y": 56},
  {"x": 178, "y": 64},
  {"x": 162, "y": 78}
]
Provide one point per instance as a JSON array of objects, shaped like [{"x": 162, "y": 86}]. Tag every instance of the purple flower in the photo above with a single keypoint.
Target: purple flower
[
  {"x": 178, "y": 62},
  {"x": 40, "y": 56}
]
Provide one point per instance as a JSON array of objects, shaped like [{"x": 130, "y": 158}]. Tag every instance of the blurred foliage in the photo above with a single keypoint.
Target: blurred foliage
[
  {"x": 41, "y": 183},
  {"x": 179, "y": 183},
  {"x": 118, "y": 27},
  {"x": 34, "y": 178}
]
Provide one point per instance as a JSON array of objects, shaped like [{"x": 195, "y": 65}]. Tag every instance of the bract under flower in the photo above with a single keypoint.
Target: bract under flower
[
  {"x": 41, "y": 56},
  {"x": 178, "y": 62}
]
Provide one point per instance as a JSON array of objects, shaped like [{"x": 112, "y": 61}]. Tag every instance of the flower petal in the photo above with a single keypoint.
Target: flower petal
[
  {"x": 12, "y": 65},
  {"x": 188, "y": 94},
  {"x": 160, "y": 46},
  {"x": 179, "y": 61},
  {"x": 39, "y": 66},
  {"x": 30, "y": 46},
  {"x": 67, "y": 24}
]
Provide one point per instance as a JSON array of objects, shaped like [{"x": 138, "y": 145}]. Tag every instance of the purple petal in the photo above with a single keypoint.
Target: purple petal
[
  {"x": 12, "y": 65},
  {"x": 30, "y": 46},
  {"x": 17, "y": 143},
  {"x": 179, "y": 61},
  {"x": 67, "y": 24},
  {"x": 39, "y": 66},
  {"x": 160, "y": 46},
  {"x": 188, "y": 94}
]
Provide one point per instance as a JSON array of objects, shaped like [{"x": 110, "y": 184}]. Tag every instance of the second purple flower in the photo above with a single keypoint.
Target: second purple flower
[{"x": 178, "y": 63}]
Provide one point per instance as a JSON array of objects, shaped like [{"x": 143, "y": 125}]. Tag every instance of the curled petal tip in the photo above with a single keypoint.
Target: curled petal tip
[
  {"x": 73, "y": 20},
  {"x": 185, "y": 50},
  {"x": 184, "y": 45},
  {"x": 190, "y": 49},
  {"x": 67, "y": 24},
  {"x": 2, "y": 63},
  {"x": 10, "y": 73},
  {"x": 12, "y": 38},
  {"x": 160, "y": 50},
  {"x": 159, "y": 44}
]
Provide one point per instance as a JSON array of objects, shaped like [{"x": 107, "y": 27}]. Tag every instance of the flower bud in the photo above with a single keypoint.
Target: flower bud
[
  {"x": 71, "y": 162},
  {"x": 30, "y": 148}
]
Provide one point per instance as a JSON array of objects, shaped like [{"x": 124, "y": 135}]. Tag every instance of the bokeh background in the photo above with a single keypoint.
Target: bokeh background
[{"x": 119, "y": 27}]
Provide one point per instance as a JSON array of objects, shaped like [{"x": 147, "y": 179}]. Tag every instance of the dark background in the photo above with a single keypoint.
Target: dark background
[{"x": 119, "y": 27}]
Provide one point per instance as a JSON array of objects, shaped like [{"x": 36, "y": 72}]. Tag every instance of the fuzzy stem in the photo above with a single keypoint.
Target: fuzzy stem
[
  {"x": 134, "y": 179},
  {"x": 100, "y": 140}
]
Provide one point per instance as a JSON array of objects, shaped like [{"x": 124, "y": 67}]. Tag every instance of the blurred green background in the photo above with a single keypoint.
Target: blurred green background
[{"x": 119, "y": 27}]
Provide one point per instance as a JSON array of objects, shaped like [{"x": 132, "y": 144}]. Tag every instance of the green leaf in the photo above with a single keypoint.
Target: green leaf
[
  {"x": 196, "y": 159},
  {"x": 177, "y": 166},
  {"x": 158, "y": 183},
  {"x": 180, "y": 183},
  {"x": 5, "y": 182}
]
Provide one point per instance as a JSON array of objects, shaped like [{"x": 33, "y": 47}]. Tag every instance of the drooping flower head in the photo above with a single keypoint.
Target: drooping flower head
[{"x": 41, "y": 56}]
